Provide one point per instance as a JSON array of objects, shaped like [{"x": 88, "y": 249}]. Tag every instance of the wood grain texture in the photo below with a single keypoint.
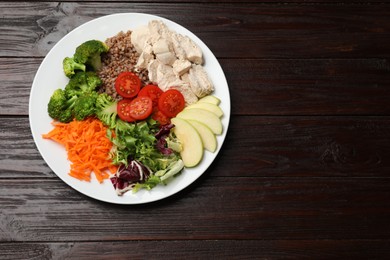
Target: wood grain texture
[
  {"x": 196, "y": 249},
  {"x": 304, "y": 170},
  {"x": 240, "y": 31},
  {"x": 212, "y": 208},
  {"x": 254, "y": 147},
  {"x": 259, "y": 87}
]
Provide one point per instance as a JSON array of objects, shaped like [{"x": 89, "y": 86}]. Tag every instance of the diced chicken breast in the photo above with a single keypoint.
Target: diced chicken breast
[
  {"x": 200, "y": 84},
  {"x": 145, "y": 57},
  {"x": 139, "y": 37},
  {"x": 167, "y": 58},
  {"x": 185, "y": 89},
  {"x": 193, "y": 51},
  {"x": 158, "y": 30},
  {"x": 161, "y": 46},
  {"x": 181, "y": 66},
  {"x": 176, "y": 45},
  {"x": 152, "y": 70},
  {"x": 163, "y": 52},
  {"x": 172, "y": 60},
  {"x": 165, "y": 76}
]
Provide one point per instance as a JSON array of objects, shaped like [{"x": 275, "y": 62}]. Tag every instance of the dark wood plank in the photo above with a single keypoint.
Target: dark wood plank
[
  {"x": 255, "y": 146},
  {"x": 306, "y": 146},
  {"x": 241, "y": 30},
  {"x": 259, "y": 87},
  {"x": 309, "y": 87},
  {"x": 196, "y": 249},
  {"x": 17, "y": 75},
  {"x": 212, "y": 208}
]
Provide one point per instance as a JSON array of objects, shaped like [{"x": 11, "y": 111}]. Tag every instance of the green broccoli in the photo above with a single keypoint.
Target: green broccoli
[
  {"x": 89, "y": 53},
  {"x": 60, "y": 107},
  {"x": 70, "y": 66},
  {"x": 84, "y": 106},
  {"x": 82, "y": 83},
  {"x": 66, "y": 116},
  {"x": 106, "y": 110}
]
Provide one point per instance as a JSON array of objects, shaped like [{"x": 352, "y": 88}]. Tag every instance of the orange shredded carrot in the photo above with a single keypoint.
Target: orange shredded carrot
[{"x": 87, "y": 146}]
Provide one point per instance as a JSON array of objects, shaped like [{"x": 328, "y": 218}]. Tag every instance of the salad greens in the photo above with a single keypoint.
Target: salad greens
[
  {"x": 140, "y": 144},
  {"x": 146, "y": 152},
  {"x": 138, "y": 141}
]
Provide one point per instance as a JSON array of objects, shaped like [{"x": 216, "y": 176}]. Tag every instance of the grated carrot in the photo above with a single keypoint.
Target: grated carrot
[{"x": 87, "y": 146}]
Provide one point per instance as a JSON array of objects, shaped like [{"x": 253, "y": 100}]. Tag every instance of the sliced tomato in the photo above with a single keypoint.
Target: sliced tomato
[
  {"x": 141, "y": 108},
  {"x": 123, "y": 109},
  {"x": 160, "y": 117},
  {"x": 152, "y": 91},
  {"x": 127, "y": 84},
  {"x": 171, "y": 102}
]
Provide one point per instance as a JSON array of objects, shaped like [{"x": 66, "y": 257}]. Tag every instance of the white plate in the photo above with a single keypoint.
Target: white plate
[{"x": 50, "y": 77}]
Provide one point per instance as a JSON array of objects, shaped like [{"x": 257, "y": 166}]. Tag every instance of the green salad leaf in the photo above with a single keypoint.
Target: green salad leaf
[{"x": 137, "y": 141}]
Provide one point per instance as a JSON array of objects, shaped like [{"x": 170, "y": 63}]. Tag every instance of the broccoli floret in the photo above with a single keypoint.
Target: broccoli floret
[
  {"x": 60, "y": 107},
  {"x": 84, "y": 106},
  {"x": 89, "y": 53},
  {"x": 57, "y": 103},
  {"x": 82, "y": 83},
  {"x": 70, "y": 66},
  {"x": 66, "y": 116},
  {"x": 106, "y": 110}
]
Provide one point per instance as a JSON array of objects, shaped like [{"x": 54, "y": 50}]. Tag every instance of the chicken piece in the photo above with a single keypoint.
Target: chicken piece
[
  {"x": 145, "y": 57},
  {"x": 181, "y": 66},
  {"x": 185, "y": 78},
  {"x": 192, "y": 51},
  {"x": 161, "y": 46},
  {"x": 163, "y": 52},
  {"x": 185, "y": 90},
  {"x": 139, "y": 37},
  {"x": 167, "y": 79},
  {"x": 176, "y": 45},
  {"x": 200, "y": 83},
  {"x": 152, "y": 70},
  {"x": 167, "y": 58},
  {"x": 158, "y": 30},
  {"x": 165, "y": 76},
  {"x": 161, "y": 74}
]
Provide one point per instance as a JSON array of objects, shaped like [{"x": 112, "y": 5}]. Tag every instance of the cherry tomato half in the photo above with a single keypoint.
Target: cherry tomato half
[
  {"x": 171, "y": 102},
  {"x": 127, "y": 84},
  {"x": 123, "y": 109},
  {"x": 160, "y": 117},
  {"x": 141, "y": 107},
  {"x": 152, "y": 91}
]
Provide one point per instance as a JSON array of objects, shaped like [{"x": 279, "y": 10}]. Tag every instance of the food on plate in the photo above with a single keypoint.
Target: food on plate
[
  {"x": 88, "y": 54},
  {"x": 171, "y": 102},
  {"x": 210, "y": 99},
  {"x": 127, "y": 84},
  {"x": 172, "y": 60},
  {"x": 209, "y": 139},
  {"x": 70, "y": 66},
  {"x": 87, "y": 146},
  {"x": 77, "y": 100},
  {"x": 152, "y": 91},
  {"x": 106, "y": 110},
  {"x": 121, "y": 56},
  {"x": 209, "y": 107},
  {"x": 192, "y": 152},
  {"x": 203, "y": 116},
  {"x": 123, "y": 110},
  {"x": 141, "y": 108},
  {"x": 140, "y": 103}
]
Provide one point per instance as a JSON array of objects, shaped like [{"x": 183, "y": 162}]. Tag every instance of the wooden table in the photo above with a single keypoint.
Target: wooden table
[{"x": 303, "y": 173}]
